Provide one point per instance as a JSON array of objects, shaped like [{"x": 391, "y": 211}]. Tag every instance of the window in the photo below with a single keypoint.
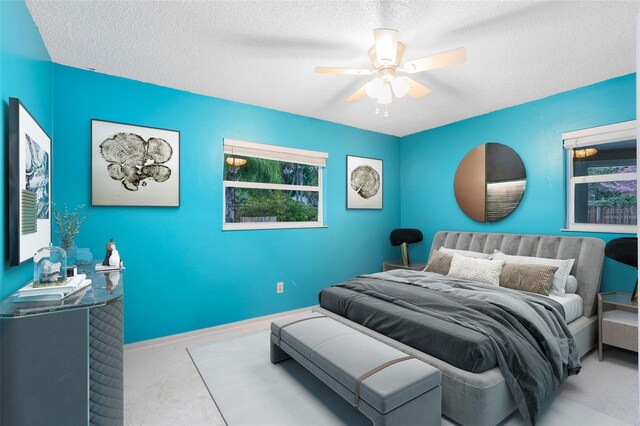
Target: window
[
  {"x": 602, "y": 178},
  {"x": 268, "y": 187}
]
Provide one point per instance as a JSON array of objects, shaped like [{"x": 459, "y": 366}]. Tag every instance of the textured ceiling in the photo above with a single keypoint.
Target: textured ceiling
[{"x": 264, "y": 52}]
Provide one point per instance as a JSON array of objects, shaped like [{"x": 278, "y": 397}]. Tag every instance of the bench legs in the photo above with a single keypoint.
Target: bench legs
[{"x": 277, "y": 354}]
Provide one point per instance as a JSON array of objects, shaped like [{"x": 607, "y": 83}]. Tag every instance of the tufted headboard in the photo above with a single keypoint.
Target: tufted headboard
[{"x": 588, "y": 253}]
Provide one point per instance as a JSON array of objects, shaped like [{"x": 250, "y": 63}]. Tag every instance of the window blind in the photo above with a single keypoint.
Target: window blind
[
  {"x": 272, "y": 152},
  {"x": 600, "y": 135}
]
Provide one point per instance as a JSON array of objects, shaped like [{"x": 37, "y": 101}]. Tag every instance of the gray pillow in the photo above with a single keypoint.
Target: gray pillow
[
  {"x": 440, "y": 263},
  {"x": 527, "y": 277},
  {"x": 572, "y": 285}
]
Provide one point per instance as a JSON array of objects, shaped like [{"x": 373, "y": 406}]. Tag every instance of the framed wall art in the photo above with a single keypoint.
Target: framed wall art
[
  {"x": 29, "y": 184},
  {"x": 364, "y": 183},
  {"x": 134, "y": 165}
]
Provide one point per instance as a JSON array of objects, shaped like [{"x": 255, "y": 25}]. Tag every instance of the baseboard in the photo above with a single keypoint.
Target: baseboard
[{"x": 145, "y": 344}]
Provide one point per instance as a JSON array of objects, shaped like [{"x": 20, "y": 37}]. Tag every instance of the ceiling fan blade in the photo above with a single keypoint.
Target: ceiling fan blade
[
  {"x": 386, "y": 43},
  {"x": 359, "y": 94},
  {"x": 416, "y": 90},
  {"x": 440, "y": 60},
  {"x": 339, "y": 70}
]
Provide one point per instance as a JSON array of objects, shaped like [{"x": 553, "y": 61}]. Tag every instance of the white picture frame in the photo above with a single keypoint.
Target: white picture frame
[
  {"x": 364, "y": 183},
  {"x": 134, "y": 165}
]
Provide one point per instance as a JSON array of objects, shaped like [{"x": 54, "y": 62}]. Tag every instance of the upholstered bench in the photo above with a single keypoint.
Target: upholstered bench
[{"x": 386, "y": 385}]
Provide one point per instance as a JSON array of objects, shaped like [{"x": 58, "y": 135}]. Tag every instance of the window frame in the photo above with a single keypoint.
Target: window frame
[
  {"x": 278, "y": 153},
  {"x": 601, "y": 135}
]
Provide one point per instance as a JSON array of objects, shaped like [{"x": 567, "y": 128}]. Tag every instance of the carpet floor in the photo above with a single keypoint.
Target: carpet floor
[{"x": 249, "y": 390}]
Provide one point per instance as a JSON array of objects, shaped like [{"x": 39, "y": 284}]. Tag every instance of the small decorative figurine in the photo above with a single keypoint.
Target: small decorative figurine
[{"x": 112, "y": 257}]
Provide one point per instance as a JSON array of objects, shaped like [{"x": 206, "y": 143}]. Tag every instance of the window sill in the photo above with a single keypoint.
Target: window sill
[
  {"x": 271, "y": 225},
  {"x": 612, "y": 229}
]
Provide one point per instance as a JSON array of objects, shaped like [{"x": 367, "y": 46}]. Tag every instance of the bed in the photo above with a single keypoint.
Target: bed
[{"x": 481, "y": 396}]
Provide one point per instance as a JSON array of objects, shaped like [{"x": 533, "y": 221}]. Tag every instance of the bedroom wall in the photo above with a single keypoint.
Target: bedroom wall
[
  {"x": 25, "y": 73},
  {"x": 429, "y": 161},
  {"x": 184, "y": 273}
]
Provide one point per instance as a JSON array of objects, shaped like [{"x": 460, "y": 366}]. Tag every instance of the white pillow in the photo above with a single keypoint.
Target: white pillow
[
  {"x": 572, "y": 285},
  {"x": 482, "y": 270},
  {"x": 559, "y": 282},
  {"x": 467, "y": 253}
]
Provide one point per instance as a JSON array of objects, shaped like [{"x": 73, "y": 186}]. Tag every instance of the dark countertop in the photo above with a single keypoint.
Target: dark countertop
[{"x": 105, "y": 288}]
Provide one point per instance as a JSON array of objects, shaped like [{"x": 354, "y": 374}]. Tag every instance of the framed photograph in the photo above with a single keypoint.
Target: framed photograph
[
  {"x": 364, "y": 183},
  {"x": 29, "y": 184},
  {"x": 134, "y": 165}
]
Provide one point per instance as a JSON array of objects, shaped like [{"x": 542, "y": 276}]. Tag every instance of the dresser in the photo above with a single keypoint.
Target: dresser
[{"x": 61, "y": 362}]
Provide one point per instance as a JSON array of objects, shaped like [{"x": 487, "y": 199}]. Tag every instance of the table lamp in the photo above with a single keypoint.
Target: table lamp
[{"x": 403, "y": 237}]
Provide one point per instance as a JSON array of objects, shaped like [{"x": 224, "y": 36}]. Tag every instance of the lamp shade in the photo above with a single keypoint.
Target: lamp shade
[
  {"x": 623, "y": 250},
  {"x": 400, "y": 86},
  {"x": 374, "y": 88},
  {"x": 405, "y": 235}
]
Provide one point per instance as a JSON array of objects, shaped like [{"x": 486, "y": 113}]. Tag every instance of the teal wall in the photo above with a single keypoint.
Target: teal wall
[
  {"x": 184, "y": 273},
  {"x": 25, "y": 73},
  {"x": 429, "y": 161}
]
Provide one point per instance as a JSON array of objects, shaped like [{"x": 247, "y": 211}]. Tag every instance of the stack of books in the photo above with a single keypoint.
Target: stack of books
[{"x": 29, "y": 293}]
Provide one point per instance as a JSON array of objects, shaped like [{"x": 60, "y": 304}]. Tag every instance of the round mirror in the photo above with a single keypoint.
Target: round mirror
[{"x": 490, "y": 182}]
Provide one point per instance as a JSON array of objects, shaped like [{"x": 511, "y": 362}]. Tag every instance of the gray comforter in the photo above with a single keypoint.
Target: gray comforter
[{"x": 530, "y": 341}]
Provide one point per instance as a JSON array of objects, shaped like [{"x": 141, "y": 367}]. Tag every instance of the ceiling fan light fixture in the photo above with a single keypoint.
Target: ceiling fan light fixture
[
  {"x": 374, "y": 88},
  {"x": 400, "y": 87},
  {"x": 386, "y": 44},
  {"x": 385, "y": 96}
]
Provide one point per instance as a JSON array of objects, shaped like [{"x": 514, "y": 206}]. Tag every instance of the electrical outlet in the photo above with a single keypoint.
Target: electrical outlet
[{"x": 279, "y": 287}]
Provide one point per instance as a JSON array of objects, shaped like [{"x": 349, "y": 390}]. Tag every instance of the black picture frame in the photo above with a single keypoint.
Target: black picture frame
[
  {"x": 370, "y": 169},
  {"x": 29, "y": 189},
  {"x": 129, "y": 191}
]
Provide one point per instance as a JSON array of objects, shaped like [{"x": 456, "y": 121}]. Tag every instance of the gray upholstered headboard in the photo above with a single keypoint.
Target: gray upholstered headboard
[{"x": 588, "y": 253}]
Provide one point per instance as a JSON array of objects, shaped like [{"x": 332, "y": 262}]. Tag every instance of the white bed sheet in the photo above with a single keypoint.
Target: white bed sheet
[{"x": 572, "y": 304}]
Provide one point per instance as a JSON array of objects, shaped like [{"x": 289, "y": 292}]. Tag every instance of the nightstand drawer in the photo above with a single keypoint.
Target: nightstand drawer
[{"x": 619, "y": 328}]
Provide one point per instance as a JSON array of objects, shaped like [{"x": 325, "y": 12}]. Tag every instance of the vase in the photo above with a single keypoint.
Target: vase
[{"x": 72, "y": 253}]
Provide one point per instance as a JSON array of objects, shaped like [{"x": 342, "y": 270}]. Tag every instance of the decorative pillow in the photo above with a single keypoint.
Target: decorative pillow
[
  {"x": 440, "y": 263},
  {"x": 532, "y": 278},
  {"x": 559, "y": 282},
  {"x": 572, "y": 285},
  {"x": 482, "y": 270},
  {"x": 467, "y": 253}
]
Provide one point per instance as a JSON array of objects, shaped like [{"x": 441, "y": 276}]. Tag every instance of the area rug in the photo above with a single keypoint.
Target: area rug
[{"x": 250, "y": 391}]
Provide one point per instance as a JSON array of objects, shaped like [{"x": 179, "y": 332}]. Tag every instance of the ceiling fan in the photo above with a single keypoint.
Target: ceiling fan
[{"x": 386, "y": 55}]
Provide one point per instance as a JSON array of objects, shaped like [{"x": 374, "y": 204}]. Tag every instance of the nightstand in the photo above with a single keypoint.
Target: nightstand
[
  {"x": 617, "y": 321},
  {"x": 397, "y": 264}
]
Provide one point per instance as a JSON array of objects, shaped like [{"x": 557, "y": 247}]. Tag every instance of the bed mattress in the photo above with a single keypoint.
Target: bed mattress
[{"x": 572, "y": 304}]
